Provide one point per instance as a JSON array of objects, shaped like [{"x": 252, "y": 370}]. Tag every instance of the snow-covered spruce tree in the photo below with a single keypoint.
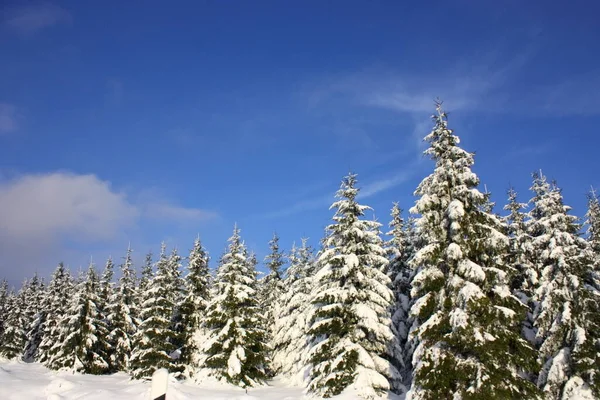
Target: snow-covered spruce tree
[
  {"x": 195, "y": 303},
  {"x": 271, "y": 288},
  {"x": 398, "y": 249},
  {"x": 235, "y": 350},
  {"x": 33, "y": 298},
  {"x": 13, "y": 337},
  {"x": 525, "y": 278},
  {"x": 82, "y": 344},
  {"x": 566, "y": 310},
  {"x": 106, "y": 287},
  {"x": 4, "y": 292},
  {"x": 414, "y": 241},
  {"x": 592, "y": 220},
  {"x": 56, "y": 303},
  {"x": 351, "y": 327},
  {"x": 519, "y": 251},
  {"x": 122, "y": 317},
  {"x": 153, "y": 339},
  {"x": 290, "y": 339},
  {"x": 146, "y": 274},
  {"x": 34, "y": 315},
  {"x": 470, "y": 345},
  {"x": 176, "y": 297}
]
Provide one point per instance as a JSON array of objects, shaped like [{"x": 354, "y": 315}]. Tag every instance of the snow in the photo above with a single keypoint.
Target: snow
[{"x": 20, "y": 381}]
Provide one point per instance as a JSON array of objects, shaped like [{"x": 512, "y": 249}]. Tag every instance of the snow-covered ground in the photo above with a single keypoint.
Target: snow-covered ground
[{"x": 22, "y": 381}]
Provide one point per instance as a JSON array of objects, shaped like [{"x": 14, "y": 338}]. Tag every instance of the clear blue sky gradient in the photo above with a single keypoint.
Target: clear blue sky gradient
[{"x": 253, "y": 111}]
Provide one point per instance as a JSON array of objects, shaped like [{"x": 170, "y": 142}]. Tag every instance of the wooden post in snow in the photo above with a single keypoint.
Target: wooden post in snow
[{"x": 160, "y": 380}]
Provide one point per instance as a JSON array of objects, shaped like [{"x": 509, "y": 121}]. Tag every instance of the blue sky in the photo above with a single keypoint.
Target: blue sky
[{"x": 138, "y": 122}]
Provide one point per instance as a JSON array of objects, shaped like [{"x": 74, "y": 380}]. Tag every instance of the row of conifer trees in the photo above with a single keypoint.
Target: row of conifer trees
[{"x": 459, "y": 303}]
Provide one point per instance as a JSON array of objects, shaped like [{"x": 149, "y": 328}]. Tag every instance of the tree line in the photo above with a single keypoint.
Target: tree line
[{"x": 459, "y": 303}]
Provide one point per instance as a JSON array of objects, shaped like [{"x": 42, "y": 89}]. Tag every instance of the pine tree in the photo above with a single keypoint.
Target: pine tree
[
  {"x": 153, "y": 339},
  {"x": 106, "y": 287},
  {"x": 519, "y": 256},
  {"x": 351, "y": 327},
  {"x": 235, "y": 350},
  {"x": 146, "y": 273},
  {"x": 290, "y": 339},
  {"x": 195, "y": 303},
  {"x": 469, "y": 322},
  {"x": 519, "y": 250},
  {"x": 271, "y": 288},
  {"x": 122, "y": 317},
  {"x": 593, "y": 236},
  {"x": 4, "y": 296},
  {"x": 398, "y": 249},
  {"x": 13, "y": 337},
  {"x": 176, "y": 297},
  {"x": 34, "y": 315},
  {"x": 565, "y": 314},
  {"x": 32, "y": 290},
  {"x": 56, "y": 303},
  {"x": 82, "y": 344}
]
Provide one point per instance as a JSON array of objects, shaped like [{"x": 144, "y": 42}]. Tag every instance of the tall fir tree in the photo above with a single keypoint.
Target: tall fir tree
[
  {"x": 519, "y": 251},
  {"x": 414, "y": 241},
  {"x": 194, "y": 306},
  {"x": 176, "y": 297},
  {"x": 153, "y": 341},
  {"x": 592, "y": 220},
  {"x": 106, "y": 287},
  {"x": 272, "y": 288},
  {"x": 290, "y": 339},
  {"x": 34, "y": 315},
  {"x": 565, "y": 313},
  {"x": 146, "y": 274},
  {"x": 235, "y": 350},
  {"x": 470, "y": 345},
  {"x": 4, "y": 296},
  {"x": 351, "y": 328},
  {"x": 520, "y": 256},
  {"x": 399, "y": 271},
  {"x": 82, "y": 344},
  {"x": 13, "y": 336},
  {"x": 123, "y": 317},
  {"x": 56, "y": 304}
]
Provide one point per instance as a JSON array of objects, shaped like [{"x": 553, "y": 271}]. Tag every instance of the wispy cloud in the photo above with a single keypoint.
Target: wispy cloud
[
  {"x": 31, "y": 19},
  {"x": 528, "y": 151},
  {"x": 9, "y": 118},
  {"x": 489, "y": 84},
  {"x": 381, "y": 185},
  {"x": 115, "y": 91},
  {"x": 301, "y": 206},
  {"x": 366, "y": 191},
  {"x": 171, "y": 212},
  {"x": 575, "y": 95}
]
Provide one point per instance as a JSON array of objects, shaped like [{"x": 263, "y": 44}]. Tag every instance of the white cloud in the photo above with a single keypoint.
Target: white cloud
[
  {"x": 33, "y": 18},
  {"x": 9, "y": 117},
  {"x": 44, "y": 217},
  {"x": 43, "y": 206}
]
